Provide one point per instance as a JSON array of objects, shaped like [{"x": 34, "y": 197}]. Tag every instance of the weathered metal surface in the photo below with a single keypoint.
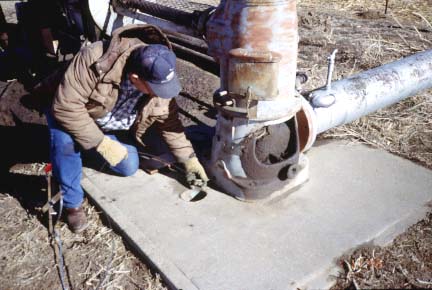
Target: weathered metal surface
[
  {"x": 243, "y": 173},
  {"x": 260, "y": 170},
  {"x": 279, "y": 110},
  {"x": 254, "y": 71},
  {"x": 307, "y": 126},
  {"x": 249, "y": 189},
  {"x": 256, "y": 26},
  {"x": 366, "y": 92},
  {"x": 255, "y": 43}
]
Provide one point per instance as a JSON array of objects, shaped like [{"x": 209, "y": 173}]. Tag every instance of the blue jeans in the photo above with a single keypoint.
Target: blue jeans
[{"x": 66, "y": 163}]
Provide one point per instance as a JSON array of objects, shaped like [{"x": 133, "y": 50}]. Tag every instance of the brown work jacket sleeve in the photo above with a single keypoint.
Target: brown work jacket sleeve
[
  {"x": 69, "y": 105},
  {"x": 172, "y": 132}
]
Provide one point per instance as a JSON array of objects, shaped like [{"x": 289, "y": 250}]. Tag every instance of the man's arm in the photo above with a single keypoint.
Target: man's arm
[
  {"x": 73, "y": 94},
  {"x": 172, "y": 132}
]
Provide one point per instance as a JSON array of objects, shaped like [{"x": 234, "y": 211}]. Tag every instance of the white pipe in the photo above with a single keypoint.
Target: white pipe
[
  {"x": 163, "y": 24},
  {"x": 366, "y": 92},
  {"x": 331, "y": 60},
  {"x": 103, "y": 15},
  {"x": 108, "y": 18}
]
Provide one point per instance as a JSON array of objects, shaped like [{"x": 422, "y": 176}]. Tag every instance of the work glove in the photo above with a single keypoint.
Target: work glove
[
  {"x": 112, "y": 151},
  {"x": 195, "y": 173}
]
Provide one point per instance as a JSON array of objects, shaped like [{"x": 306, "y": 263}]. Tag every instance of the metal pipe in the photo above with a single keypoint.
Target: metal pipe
[
  {"x": 331, "y": 61},
  {"x": 256, "y": 26},
  {"x": 153, "y": 8},
  {"x": 166, "y": 25},
  {"x": 109, "y": 15},
  {"x": 182, "y": 12},
  {"x": 193, "y": 43},
  {"x": 366, "y": 92},
  {"x": 199, "y": 59}
]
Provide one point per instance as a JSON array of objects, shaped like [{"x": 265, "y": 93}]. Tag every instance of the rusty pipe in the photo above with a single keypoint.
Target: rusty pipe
[
  {"x": 368, "y": 91},
  {"x": 255, "y": 43},
  {"x": 256, "y": 26}
]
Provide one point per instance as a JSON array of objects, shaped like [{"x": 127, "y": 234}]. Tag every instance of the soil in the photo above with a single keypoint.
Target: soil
[{"x": 364, "y": 36}]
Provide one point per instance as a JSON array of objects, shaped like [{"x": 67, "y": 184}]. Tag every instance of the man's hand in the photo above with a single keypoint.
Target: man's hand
[
  {"x": 112, "y": 151},
  {"x": 195, "y": 173}
]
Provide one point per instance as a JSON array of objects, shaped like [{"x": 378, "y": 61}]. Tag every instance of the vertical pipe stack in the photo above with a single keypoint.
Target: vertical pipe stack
[
  {"x": 256, "y": 25},
  {"x": 255, "y": 43}
]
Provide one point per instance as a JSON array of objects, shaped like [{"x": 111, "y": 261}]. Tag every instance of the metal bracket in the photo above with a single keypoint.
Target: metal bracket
[
  {"x": 227, "y": 102},
  {"x": 50, "y": 203}
]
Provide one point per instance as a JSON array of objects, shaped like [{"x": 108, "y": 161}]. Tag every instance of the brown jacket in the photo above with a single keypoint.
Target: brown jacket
[{"x": 90, "y": 87}]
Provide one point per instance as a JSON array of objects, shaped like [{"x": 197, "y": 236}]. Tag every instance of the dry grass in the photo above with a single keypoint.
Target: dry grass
[
  {"x": 96, "y": 259},
  {"x": 418, "y": 12},
  {"x": 118, "y": 269},
  {"x": 407, "y": 263},
  {"x": 404, "y": 129}
]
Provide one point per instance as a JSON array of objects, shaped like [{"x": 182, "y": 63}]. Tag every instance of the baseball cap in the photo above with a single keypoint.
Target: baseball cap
[{"x": 156, "y": 64}]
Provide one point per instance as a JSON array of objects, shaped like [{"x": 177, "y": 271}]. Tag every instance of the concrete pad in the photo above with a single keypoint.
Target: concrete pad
[{"x": 355, "y": 195}]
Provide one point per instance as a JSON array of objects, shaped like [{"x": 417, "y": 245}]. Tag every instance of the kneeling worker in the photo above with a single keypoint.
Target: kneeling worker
[{"x": 123, "y": 85}]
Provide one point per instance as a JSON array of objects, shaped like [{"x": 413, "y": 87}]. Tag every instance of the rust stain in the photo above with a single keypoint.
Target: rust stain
[{"x": 257, "y": 25}]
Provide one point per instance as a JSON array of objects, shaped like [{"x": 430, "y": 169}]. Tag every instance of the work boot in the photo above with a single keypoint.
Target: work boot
[{"x": 76, "y": 219}]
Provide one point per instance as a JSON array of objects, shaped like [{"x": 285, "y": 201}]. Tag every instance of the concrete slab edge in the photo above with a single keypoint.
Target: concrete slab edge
[
  {"x": 172, "y": 276},
  {"x": 387, "y": 235},
  {"x": 325, "y": 278}
]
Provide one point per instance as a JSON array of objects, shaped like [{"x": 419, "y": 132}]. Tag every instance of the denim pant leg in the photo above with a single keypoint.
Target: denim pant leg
[
  {"x": 66, "y": 163},
  {"x": 129, "y": 165}
]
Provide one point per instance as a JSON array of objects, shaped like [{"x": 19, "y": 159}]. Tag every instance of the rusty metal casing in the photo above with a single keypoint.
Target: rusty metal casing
[{"x": 256, "y": 26}]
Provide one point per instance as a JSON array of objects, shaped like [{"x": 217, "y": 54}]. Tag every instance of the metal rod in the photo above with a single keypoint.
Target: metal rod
[
  {"x": 201, "y": 60},
  {"x": 366, "y": 92},
  {"x": 136, "y": 16},
  {"x": 187, "y": 41},
  {"x": 331, "y": 61}
]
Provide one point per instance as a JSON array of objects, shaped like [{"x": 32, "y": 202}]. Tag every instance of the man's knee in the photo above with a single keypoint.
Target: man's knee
[
  {"x": 128, "y": 166},
  {"x": 65, "y": 146},
  {"x": 63, "y": 143}
]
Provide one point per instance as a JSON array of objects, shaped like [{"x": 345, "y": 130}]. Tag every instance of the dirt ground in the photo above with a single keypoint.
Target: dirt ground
[{"x": 364, "y": 36}]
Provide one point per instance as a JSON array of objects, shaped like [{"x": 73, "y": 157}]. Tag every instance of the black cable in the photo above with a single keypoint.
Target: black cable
[
  {"x": 57, "y": 238},
  {"x": 61, "y": 266},
  {"x": 154, "y": 157}
]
